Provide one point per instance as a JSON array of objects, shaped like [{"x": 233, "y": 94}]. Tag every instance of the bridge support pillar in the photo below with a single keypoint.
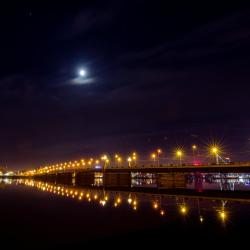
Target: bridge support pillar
[
  {"x": 84, "y": 178},
  {"x": 171, "y": 180},
  {"x": 117, "y": 179}
]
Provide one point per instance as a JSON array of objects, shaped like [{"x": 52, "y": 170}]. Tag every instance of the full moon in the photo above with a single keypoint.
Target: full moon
[{"x": 82, "y": 72}]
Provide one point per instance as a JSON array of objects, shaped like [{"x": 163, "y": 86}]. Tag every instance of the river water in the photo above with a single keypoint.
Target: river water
[{"x": 205, "y": 208}]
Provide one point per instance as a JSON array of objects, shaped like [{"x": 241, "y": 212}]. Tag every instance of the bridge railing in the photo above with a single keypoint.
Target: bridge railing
[{"x": 150, "y": 166}]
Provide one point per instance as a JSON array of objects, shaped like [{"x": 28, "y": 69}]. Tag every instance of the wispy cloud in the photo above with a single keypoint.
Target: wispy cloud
[{"x": 90, "y": 19}]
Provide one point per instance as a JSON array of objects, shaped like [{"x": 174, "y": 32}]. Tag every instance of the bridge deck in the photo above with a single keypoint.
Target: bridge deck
[
  {"x": 166, "y": 169},
  {"x": 227, "y": 168}
]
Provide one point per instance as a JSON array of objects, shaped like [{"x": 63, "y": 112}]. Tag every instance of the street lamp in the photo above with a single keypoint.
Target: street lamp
[
  {"x": 129, "y": 161},
  {"x": 179, "y": 154},
  {"x": 194, "y": 148},
  {"x": 134, "y": 157},
  {"x": 89, "y": 163},
  {"x": 153, "y": 156},
  {"x": 105, "y": 159},
  {"x": 158, "y": 156},
  {"x": 215, "y": 150},
  {"x": 119, "y": 159}
]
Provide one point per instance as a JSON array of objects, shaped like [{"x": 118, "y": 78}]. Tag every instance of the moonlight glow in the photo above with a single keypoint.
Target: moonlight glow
[{"x": 82, "y": 72}]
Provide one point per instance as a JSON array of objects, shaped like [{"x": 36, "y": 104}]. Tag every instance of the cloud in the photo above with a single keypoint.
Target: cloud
[
  {"x": 213, "y": 39},
  {"x": 82, "y": 81},
  {"x": 17, "y": 85},
  {"x": 89, "y": 19}
]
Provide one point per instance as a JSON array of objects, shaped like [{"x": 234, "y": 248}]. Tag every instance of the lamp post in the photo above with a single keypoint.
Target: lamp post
[
  {"x": 153, "y": 156},
  {"x": 116, "y": 158},
  {"x": 158, "y": 156},
  {"x": 134, "y": 157},
  {"x": 194, "y": 147},
  {"x": 129, "y": 161},
  {"x": 119, "y": 160},
  {"x": 106, "y": 160},
  {"x": 179, "y": 154},
  {"x": 215, "y": 151},
  {"x": 97, "y": 162}
]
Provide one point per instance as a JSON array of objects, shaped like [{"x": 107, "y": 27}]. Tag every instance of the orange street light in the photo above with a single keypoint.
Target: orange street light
[
  {"x": 129, "y": 161},
  {"x": 179, "y": 154},
  {"x": 153, "y": 156}
]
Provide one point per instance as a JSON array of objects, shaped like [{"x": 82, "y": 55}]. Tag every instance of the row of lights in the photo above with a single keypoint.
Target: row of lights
[
  {"x": 131, "y": 159},
  {"x": 78, "y": 164},
  {"x": 104, "y": 198},
  {"x": 179, "y": 153}
]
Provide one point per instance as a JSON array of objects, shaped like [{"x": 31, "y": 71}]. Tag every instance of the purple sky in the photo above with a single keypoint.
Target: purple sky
[{"x": 157, "y": 75}]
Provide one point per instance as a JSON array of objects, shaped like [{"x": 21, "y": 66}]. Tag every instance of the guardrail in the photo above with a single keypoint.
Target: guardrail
[{"x": 153, "y": 167}]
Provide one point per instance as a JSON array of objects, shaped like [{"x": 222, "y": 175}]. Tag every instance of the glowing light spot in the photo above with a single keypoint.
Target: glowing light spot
[
  {"x": 82, "y": 72},
  {"x": 201, "y": 219},
  {"x": 223, "y": 215},
  {"x": 155, "y": 205},
  {"x": 162, "y": 212},
  {"x": 183, "y": 210}
]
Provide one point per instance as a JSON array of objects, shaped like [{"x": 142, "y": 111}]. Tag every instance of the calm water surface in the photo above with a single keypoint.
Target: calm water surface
[{"x": 148, "y": 212}]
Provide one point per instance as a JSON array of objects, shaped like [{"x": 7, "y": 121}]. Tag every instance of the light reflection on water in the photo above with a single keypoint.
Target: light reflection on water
[
  {"x": 163, "y": 204},
  {"x": 144, "y": 182},
  {"x": 196, "y": 181},
  {"x": 219, "y": 181},
  {"x": 65, "y": 213}
]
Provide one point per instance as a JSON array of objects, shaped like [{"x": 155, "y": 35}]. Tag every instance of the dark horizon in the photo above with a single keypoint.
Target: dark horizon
[{"x": 157, "y": 75}]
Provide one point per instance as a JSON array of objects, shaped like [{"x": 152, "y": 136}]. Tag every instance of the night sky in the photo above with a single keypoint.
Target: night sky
[{"x": 159, "y": 74}]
